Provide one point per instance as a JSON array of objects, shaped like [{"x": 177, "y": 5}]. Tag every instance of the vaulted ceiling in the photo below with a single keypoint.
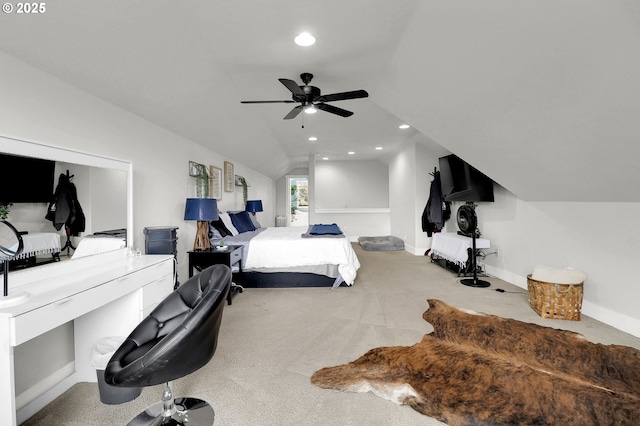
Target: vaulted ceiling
[{"x": 542, "y": 96}]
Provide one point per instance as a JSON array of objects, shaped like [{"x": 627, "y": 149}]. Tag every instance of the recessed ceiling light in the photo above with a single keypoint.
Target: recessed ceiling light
[
  {"x": 378, "y": 148},
  {"x": 305, "y": 39},
  {"x": 351, "y": 152},
  {"x": 325, "y": 158},
  {"x": 313, "y": 139},
  {"x": 403, "y": 126}
]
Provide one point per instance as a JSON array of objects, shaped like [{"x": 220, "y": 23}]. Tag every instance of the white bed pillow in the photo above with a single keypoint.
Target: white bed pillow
[
  {"x": 226, "y": 219},
  {"x": 255, "y": 222}
]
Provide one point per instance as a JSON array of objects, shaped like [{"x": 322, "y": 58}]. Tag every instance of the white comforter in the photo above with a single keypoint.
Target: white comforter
[{"x": 283, "y": 247}]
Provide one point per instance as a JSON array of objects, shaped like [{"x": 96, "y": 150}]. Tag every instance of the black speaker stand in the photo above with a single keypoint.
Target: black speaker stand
[{"x": 474, "y": 282}]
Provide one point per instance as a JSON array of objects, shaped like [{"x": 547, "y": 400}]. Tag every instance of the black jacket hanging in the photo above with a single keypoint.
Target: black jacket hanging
[
  {"x": 437, "y": 211},
  {"x": 65, "y": 209}
]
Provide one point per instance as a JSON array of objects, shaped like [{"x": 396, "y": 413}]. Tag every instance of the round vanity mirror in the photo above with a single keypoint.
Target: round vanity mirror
[
  {"x": 11, "y": 245},
  {"x": 10, "y": 241}
]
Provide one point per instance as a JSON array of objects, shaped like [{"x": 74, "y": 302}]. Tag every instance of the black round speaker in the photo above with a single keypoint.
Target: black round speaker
[{"x": 467, "y": 220}]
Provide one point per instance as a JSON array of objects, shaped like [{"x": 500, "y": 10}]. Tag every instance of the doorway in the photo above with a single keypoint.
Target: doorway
[{"x": 298, "y": 211}]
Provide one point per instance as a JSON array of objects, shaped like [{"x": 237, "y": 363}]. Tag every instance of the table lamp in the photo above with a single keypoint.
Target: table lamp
[
  {"x": 254, "y": 206},
  {"x": 203, "y": 210}
]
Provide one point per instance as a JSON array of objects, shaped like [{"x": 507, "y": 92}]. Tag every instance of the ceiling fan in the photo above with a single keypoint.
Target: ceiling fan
[{"x": 310, "y": 98}]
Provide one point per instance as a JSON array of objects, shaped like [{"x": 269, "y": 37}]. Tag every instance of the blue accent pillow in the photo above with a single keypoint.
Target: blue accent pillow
[
  {"x": 242, "y": 222},
  {"x": 323, "y": 229}
]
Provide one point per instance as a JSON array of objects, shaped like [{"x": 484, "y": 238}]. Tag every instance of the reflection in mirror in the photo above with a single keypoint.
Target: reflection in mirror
[
  {"x": 104, "y": 192},
  {"x": 11, "y": 245}
]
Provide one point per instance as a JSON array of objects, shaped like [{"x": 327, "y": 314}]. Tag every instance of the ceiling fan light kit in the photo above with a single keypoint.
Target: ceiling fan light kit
[
  {"x": 305, "y": 39},
  {"x": 310, "y": 97}
]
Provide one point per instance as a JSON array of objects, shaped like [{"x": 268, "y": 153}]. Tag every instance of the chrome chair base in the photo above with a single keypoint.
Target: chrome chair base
[{"x": 189, "y": 411}]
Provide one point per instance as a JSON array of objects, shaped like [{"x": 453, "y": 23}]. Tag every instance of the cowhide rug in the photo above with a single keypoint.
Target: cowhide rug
[{"x": 477, "y": 369}]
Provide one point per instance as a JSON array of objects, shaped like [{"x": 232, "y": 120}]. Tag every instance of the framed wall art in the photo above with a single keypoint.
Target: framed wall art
[
  {"x": 194, "y": 169},
  {"x": 199, "y": 186},
  {"x": 229, "y": 177},
  {"x": 215, "y": 175}
]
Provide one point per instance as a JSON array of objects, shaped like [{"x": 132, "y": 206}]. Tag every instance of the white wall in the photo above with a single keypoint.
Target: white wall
[
  {"x": 601, "y": 239},
  {"x": 353, "y": 194},
  {"x": 402, "y": 198},
  {"x": 410, "y": 180},
  {"x": 108, "y": 209},
  {"x": 351, "y": 184}
]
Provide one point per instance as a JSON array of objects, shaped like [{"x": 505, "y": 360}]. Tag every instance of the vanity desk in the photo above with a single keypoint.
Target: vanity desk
[{"x": 102, "y": 296}]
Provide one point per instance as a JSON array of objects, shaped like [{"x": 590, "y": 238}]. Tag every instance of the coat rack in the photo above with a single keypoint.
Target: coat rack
[{"x": 68, "y": 244}]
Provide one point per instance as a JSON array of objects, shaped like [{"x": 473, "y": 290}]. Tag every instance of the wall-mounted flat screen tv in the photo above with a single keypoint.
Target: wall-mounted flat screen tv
[
  {"x": 462, "y": 182},
  {"x": 26, "y": 179}
]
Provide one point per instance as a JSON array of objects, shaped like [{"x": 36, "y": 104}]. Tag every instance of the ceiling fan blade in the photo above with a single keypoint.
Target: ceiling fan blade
[
  {"x": 292, "y": 86},
  {"x": 267, "y": 102},
  {"x": 334, "y": 110},
  {"x": 354, "y": 94},
  {"x": 293, "y": 113}
]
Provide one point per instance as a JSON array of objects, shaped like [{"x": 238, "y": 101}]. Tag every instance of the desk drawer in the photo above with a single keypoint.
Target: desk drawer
[
  {"x": 153, "y": 293},
  {"x": 157, "y": 271},
  {"x": 236, "y": 256},
  {"x": 35, "y": 322}
]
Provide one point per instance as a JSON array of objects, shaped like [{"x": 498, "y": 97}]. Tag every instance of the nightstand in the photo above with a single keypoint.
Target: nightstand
[{"x": 230, "y": 256}]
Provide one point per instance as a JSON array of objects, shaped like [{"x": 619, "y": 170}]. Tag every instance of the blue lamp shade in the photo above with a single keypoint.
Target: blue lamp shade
[
  {"x": 254, "y": 206},
  {"x": 201, "y": 209}
]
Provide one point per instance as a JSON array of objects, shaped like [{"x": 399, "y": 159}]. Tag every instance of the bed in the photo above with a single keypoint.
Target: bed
[
  {"x": 101, "y": 242},
  {"x": 282, "y": 257}
]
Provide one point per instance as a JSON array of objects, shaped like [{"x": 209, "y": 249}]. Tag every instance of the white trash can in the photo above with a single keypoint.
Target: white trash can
[{"x": 101, "y": 353}]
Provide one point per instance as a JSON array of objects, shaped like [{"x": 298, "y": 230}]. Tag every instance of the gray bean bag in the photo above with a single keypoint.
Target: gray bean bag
[{"x": 385, "y": 243}]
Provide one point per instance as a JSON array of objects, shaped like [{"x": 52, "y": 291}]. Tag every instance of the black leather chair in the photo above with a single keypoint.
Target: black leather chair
[{"x": 177, "y": 338}]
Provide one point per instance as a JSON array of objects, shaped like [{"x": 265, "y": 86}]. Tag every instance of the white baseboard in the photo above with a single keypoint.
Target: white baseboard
[
  {"x": 509, "y": 277},
  {"x": 416, "y": 251},
  {"x": 615, "y": 319},
  {"x": 45, "y": 391},
  {"x": 604, "y": 315}
]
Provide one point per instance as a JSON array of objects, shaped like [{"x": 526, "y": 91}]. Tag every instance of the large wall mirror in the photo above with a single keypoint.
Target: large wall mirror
[{"x": 104, "y": 190}]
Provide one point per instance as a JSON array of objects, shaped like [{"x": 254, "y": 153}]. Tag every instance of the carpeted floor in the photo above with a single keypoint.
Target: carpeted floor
[{"x": 273, "y": 340}]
